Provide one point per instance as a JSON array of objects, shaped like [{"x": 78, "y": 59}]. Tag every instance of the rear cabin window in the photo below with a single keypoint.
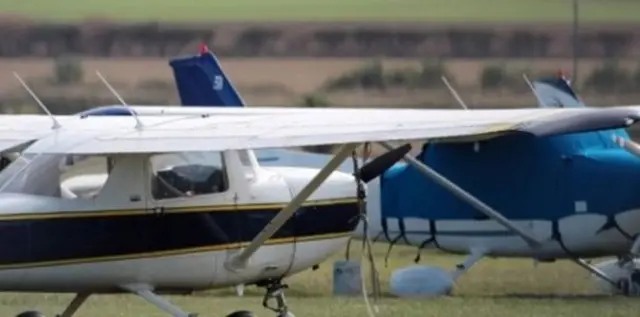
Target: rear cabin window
[{"x": 187, "y": 174}]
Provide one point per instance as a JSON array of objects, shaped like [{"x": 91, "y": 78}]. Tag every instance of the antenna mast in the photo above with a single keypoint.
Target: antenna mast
[
  {"x": 454, "y": 93},
  {"x": 139, "y": 124},
  {"x": 56, "y": 124}
]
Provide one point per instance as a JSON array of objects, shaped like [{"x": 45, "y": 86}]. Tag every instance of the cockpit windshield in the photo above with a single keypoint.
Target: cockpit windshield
[
  {"x": 43, "y": 174},
  {"x": 32, "y": 174}
]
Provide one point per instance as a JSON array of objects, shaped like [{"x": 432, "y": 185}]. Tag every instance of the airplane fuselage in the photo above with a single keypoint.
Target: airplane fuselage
[
  {"x": 124, "y": 236},
  {"x": 574, "y": 192}
]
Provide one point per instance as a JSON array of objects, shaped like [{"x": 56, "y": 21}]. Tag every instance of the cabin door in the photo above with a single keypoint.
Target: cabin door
[
  {"x": 192, "y": 214},
  {"x": 253, "y": 208}
]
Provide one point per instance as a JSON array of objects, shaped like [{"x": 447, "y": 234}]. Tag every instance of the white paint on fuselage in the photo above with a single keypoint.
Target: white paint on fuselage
[
  {"x": 198, "y": 269},
  {"x": 186, "y": 272}
]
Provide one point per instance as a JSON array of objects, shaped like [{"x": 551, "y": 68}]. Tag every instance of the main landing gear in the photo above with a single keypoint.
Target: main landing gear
[
  {"x": 629, "y": 282},
  {"x": 626, "y": 284},
  {"x": 620, "y": 276},
  {"x": 274, "y": 291},
  {"x": 71, "y": 309}
]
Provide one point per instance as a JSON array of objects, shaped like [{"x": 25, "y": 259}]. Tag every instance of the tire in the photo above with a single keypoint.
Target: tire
[
  {"x": 31, "y": 313},
  {"x": 240, "y": 313}
]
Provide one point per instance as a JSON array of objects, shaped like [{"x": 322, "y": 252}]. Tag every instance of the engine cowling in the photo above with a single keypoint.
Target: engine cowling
[
  {"x": 421, "y": 281},
  {"x": 626, "y": 276}
]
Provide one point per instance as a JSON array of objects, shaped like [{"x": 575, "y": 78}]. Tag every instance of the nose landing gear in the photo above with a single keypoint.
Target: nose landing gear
[{"x": 275, "y": 291}]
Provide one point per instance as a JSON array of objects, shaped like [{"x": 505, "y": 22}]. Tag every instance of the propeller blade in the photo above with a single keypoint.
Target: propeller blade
[{"x": 378, "y": 165}]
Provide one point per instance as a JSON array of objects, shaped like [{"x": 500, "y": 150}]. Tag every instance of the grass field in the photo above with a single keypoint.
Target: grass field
[
  {"x": 290, "y": 10},
  {"x": 493, "y": 288}
]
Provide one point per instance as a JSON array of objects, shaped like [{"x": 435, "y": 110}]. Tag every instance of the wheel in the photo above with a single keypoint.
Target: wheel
[
  {"x": 624, "y": 286},
  {"x": 286, "y": 314},
  {"x": 31, "y": 313},
  {"x": 242, "y": 313}
]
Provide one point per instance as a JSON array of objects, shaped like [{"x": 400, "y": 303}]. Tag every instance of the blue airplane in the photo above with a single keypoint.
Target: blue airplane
[
  {"x": 576, "y": 193},
  {"x": 573, "y": 193}
]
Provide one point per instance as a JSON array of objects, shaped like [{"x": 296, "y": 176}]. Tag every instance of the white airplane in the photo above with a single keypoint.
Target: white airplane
[{"x": 151, "y": 229}]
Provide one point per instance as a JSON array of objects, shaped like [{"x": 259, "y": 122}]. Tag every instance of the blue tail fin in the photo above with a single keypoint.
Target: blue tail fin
[
  {"x": 556, "y": 92},
  {"x": 201, "y": 81}
]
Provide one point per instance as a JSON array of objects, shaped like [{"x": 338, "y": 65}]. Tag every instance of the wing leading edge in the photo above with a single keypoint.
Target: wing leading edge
[{"x": 243, "y": 128}]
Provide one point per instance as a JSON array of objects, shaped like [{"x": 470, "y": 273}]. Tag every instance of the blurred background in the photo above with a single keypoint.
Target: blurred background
[{"x": 316, "y": 53}]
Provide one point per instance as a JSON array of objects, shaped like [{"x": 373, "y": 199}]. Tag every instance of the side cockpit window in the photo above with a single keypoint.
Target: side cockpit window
[
  {"x": 84, "y": 176},
  {"x": 187, "y": 174}
]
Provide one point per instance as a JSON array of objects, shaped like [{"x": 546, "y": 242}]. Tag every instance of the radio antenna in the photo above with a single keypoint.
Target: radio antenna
[
  {"x": 139, "y": 124},
  {"x": 454, "y": 93},
  {"x": 56, "y": 124}
]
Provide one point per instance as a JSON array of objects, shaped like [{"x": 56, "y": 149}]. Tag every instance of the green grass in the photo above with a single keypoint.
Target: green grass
[
  {"x": 392, "y": 10},
  {"x": 493, "y": 288}
]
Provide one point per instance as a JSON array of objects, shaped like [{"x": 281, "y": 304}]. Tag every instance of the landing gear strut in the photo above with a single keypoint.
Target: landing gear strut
[
  {"x": 275, "y": 290},
  {"x": 629, "y": 285}
]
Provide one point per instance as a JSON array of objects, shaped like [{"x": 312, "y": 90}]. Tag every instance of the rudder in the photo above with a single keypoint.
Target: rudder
[
  {"x": 556, "y": 92},
  {"x": 201, "y": 81}
]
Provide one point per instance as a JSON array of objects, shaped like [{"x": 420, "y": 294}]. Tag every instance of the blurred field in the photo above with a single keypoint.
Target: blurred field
[
  {"x": 299, "y": 10},
  {"x": 273, "y": 81},
  {"x": 492, "y": 288}
]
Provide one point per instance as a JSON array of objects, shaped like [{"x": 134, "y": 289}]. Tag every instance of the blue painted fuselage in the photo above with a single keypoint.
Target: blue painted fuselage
[{"x": 577, "y": 191}]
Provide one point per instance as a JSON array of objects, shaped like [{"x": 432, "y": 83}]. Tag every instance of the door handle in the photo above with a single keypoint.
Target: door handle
[{"x": 157, "y": 210}]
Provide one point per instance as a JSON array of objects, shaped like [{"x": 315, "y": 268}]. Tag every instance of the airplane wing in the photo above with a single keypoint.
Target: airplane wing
[
  {"x": 244, "y": 128},
  {"x": 18, "y": 131}
]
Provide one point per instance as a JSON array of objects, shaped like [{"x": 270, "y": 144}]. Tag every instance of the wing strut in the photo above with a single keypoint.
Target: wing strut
[
  {"x": 468, "y": 198},
  {"x": 239, "y": 261}
]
